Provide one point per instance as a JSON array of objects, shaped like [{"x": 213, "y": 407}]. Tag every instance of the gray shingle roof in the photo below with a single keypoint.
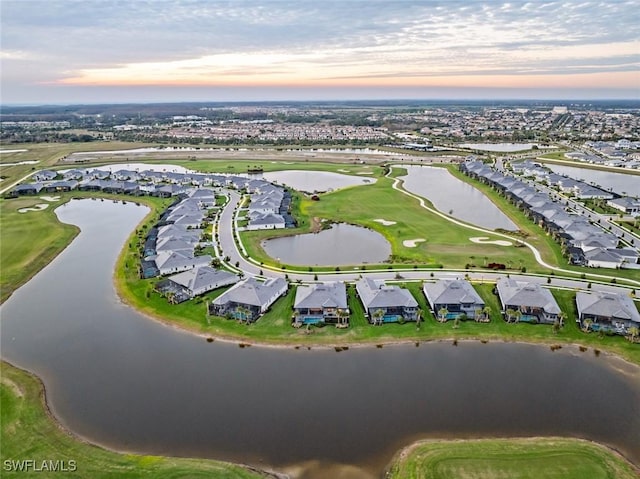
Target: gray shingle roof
[
  {"x": 203, "y": 277},
  {"x": 321, "y": 295},
  {"x": 251, "y": 292},
  {"x": 451, "y": 291},
  {"x": 515, "y": 293},
  {"x": 375, "y": 294},
  {"x": 610, "y": 305}
]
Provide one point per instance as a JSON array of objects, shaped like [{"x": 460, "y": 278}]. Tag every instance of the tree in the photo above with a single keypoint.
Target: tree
[
  {"x": 561, "y": 317},
  {"x": 586, "y": 325},
  {"x": 377, "y": 316},
  {"x": 343, "y": 316},
  {"x": 486, "y": 311},
  {"x": 510, "y": 313},
  {"x": 442, "y": 314},
  {"x": 633, "y": 333},
  {"x": 243, "y": 314},
  {"x": 518, "y": 315},
  {"x": 419, "y": 315}
]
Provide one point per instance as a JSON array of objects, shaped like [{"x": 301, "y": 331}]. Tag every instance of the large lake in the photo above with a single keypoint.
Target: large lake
[
  {"x": 123, "y": 380},
  {"x": 620, "y": 183},
  {"x": 341, "y": 244},
  {"x": 455, "y": 197}
]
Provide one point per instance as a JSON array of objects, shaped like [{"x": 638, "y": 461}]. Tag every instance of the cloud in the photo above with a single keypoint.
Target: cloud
[{"x": 195, "y": 42}]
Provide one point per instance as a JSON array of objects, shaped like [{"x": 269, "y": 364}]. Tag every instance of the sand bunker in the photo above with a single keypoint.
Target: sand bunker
[
  {"x": 38, "y": 207},
  {"x": 344, "y": 171},
  {"x": 384, "y": 222},
  {"x": 365, "y": 173},
  {"x": 413, "y": 243},
  {"x": 486, "y": 240},
  {"x": 50, "y": 198}
]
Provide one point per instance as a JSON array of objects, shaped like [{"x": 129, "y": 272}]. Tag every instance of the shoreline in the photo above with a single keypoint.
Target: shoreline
[
  {"x": 626, "y": 366},
  {"x": 83, "y": 440},
  {"x": 273, "y": 474}
]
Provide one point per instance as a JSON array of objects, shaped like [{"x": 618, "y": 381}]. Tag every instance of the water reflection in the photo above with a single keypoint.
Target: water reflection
[
  {"x": 342, "y": 244},
  {"x": 126, "y": 381},
  {"x": 455, "y": 197}
]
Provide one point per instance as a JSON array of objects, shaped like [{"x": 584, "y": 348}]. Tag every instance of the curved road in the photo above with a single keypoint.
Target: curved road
[{"x": 228, "y": 246}]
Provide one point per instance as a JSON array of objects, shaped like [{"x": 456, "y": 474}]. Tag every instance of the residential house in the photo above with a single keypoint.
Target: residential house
[
  {"x": 529, "y": 301},
  {"x": 599, "y": 310},
  {"x": 45, "y": 175},
  {"x": 194, "y": 282},
  {"x": 321, "y": 303},
  {"x": 452, "y": 298},
  {"x": 26, "y": 189},
  {"x": 169, "y": 262},
  {"x": 266, "y": 221},
  {"x": 629, "y": 206},
  {"x": 386, "y": 303},
  {"x": 248, "y": 299}
]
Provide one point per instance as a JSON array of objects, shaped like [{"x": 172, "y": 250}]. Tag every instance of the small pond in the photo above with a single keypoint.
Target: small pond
[
  {"x": 499, "y": 147},
  {"x": 318, "y": 181},
  {"x": 455, "y": 197},
  {"x": 342, "y": 244}
]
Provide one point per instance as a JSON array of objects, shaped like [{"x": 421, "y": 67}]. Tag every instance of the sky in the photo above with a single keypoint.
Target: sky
[{"x": 94, "y": 51}]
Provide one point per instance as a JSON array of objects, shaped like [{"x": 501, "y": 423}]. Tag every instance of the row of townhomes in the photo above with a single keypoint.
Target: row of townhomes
[
  {"x": 172, "y": 247},
  {"x": 521, "y": 301},
  {"x": 269, "y": 204},
  {"x": 585, "y": 243}
]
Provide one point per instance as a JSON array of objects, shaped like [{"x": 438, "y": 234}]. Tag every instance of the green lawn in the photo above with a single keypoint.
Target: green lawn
[
  {"x": 445, "y": 243},
  {"x": 548, "y": 458},
  {"x": 28, "y": 432},
  {"x": 28, "y": 241}
]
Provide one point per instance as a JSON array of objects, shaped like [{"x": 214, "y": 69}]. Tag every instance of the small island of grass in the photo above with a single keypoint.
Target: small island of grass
[{"x": 513, "y": 458}]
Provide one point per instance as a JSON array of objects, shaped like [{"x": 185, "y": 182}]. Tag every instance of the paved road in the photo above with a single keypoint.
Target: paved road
[{"x": 249, "y": 267}]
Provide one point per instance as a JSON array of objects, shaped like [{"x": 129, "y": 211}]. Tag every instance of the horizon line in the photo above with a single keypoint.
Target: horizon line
[{"x": 371, "y": 100}]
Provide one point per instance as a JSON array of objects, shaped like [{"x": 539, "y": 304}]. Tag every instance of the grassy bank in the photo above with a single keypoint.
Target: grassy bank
[
  {"x": 31, "y": 240},
  {"x": 29, "y": 432},
  {"x": 513, "y": 458}
]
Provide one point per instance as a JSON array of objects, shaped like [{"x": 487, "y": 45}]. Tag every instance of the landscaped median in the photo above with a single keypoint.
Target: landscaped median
[
  {"x": 510, "y": 458},
  {"x": 35, "y": 445}
]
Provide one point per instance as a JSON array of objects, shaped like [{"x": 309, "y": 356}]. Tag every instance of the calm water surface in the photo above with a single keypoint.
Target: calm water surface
[
  {"x": 316, "y": 181},
  {"x": 342, "y": 244},
  {"x": 501, "y": 147},
  {"x": 455, "y": 197},
  {"x": 618, "y": 182},
  {"x": 123, "y": 380}
]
